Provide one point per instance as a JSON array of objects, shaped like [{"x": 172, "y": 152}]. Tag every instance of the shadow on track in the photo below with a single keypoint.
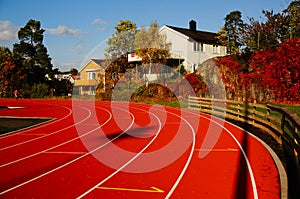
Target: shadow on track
[
  {"x": 139, "y": 132},
  {"x": 241, "y": 187}
]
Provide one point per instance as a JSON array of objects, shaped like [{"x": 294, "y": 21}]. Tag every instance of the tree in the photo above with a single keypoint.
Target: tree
[
  {"x": 264, "y": 35},
  {"x": 223, "y": 37},
  {"x": 119, "y": 45},
  {"x": 121, "y": 42},
  {"x": 35, "y": 56},
  {"x": 151, "y": 46},
  {"x": 279, "y": 70},
  {"x": 292, "y": 22},
  {"x": 73, "y": 71},
  {"x": 12, "y": 74},
  {"x": 233, "y": 26}
]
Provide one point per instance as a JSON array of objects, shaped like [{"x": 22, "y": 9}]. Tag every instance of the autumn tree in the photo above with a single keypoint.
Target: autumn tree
[
  {"x": 223, "y": 38},
  {"x": 118, "y": 46},
  {"x": 262, "y": 35},
  {"x": 11, "y": 76},
  {"x": 279, "y": 70},
  {"x": 121, "y": 43},
  {"x": 152, "y": 47}
]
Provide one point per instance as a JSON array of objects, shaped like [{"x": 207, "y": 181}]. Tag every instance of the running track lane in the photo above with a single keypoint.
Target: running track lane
[
  {"x": 110, "y": 126},
  {"x": 223, "y": 173}
]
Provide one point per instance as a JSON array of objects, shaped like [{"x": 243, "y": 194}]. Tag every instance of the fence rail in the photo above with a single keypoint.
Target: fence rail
[{"x": 280, "y": 123}]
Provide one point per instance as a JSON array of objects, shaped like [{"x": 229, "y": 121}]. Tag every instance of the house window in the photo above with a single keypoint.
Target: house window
[
  {"x": 198, "y": 47},
  {"x": 85, "y": 88},
  {"x": 91, "y": 75},
  {"x": 216, "y": 49},
  {"x": 201, "y": 47}
]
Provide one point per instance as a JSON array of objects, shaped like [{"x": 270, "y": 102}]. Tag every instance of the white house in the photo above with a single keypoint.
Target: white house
[{"x": 192, "y": 45}]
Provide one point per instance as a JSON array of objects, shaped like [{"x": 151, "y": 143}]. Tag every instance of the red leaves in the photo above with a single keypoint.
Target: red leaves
[
  {"x": 269, "y": 75},
  {"x": 280, "y": 72}
]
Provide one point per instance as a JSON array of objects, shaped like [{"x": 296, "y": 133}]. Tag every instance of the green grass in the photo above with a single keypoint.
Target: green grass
[{"x": 293, "y": 108}]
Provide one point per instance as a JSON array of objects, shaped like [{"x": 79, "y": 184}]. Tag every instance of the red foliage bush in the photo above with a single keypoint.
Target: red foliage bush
[{"x": 268, "y": 75}]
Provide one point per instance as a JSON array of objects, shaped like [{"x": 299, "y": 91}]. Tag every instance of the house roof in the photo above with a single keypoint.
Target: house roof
[
  {"x": 97, "y": 61},
  {"x": 199, "y": 36}
]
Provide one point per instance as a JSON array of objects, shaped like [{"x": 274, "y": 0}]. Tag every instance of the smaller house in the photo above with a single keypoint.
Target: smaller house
[{"x": 89, "y": 77}]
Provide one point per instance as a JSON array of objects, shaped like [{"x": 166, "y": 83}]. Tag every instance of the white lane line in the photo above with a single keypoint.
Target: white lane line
[
  {"x": 185, "y": 166},
  {"x": 15, "y": 107},
  {"x": 70, "y": 162},
  {"x": 235, "y": 139},
  {"x": 278, "y": 163},
  {"x": 48, "y": 149},
  {"x": 40, "y": 126},
  {"x": 242, "y": 150},
  {"x": 127, "y": 163},
  {"x": 33, "y": 129},
  {"x": 188, "y": 160},
  {"x": 65, "y": 152},
  {"x": 218, "y": 150},
  {"x": 46, "y": 135}
]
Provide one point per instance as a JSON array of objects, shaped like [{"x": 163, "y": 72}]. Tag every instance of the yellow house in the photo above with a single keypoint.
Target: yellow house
[{"x": 90, "y": 75}]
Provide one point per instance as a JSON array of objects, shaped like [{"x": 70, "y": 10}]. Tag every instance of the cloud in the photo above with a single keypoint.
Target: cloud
[
  {"x": 77, "y": 49},
  {"x": 8, "y": 31},
  {"x": 63, "y": 30},
  {"x": 98, "y": 21},
  {"x": 102, "y": 29}
]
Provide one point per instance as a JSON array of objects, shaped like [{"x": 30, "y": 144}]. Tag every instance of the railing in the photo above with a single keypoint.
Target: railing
[{"x": 280, "y": 123}]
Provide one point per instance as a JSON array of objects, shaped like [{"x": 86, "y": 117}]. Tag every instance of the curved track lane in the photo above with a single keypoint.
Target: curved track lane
[{"x": 120, "y": 150}]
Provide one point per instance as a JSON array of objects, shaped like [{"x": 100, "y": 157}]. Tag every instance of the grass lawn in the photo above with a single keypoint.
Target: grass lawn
[{"x": 293, "y": 108}]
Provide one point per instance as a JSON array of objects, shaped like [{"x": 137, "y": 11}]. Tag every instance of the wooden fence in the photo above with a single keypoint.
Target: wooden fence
[{"x": 280, "y": 123}]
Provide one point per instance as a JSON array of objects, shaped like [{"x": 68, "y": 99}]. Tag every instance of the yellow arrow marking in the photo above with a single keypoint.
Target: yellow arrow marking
[
  {"x": 152, "y": 190},
  {"x": 228, "y": 149}
]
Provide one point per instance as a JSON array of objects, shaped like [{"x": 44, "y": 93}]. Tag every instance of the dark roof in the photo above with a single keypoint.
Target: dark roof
[
  {"x": 98, "y": 61},
  {"x": 199, "y": 36}
]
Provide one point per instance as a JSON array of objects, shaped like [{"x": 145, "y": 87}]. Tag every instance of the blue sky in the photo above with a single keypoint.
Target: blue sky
[{"x": 75, "y": 27}]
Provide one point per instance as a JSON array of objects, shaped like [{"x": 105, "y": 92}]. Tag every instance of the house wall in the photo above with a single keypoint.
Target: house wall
[
  {"x": 198, "y": 57},
  {"x": 85, "y": 85},
  {"x": 179, "y": 43},
  {"x": 184, "y": 47}
]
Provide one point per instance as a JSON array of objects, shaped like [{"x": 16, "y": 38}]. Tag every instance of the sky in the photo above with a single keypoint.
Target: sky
[{"x": 76, "y": 30}]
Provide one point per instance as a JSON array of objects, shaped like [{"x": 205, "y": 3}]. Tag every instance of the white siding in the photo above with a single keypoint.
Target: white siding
[
  {"x": 178, "y": 41},
  {"x": 183, "y": 46}
]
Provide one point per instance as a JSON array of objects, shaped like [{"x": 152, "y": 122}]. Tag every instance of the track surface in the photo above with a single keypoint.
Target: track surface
[{"x": 121, "y": 150}]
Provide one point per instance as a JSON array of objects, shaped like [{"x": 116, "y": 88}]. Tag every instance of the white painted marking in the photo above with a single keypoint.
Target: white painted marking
[
  {"x": 68, "y": 163},
  {"x": 242, "y": 150},
  {"x": 55, "y": 121},
  {"x": 15, "y": 107},
  {"x": 218, "y": 150},
  {"x": 65, "y": 152},
  {"x": 131, "y": 160}
]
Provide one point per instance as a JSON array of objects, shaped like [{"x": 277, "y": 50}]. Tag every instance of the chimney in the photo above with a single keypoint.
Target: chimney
[{"x": 193, "y": 25}]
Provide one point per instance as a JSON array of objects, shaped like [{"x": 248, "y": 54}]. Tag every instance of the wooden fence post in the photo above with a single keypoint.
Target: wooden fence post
[
  {"x": 254, "y": 111},
  {"x": 282, "y": 122},
  {"x": 268, "y": 114},
  {"x": 239, "y": 110}
]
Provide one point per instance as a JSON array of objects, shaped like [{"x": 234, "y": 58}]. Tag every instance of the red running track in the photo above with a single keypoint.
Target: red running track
[{"x": 120, "y": 150}]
